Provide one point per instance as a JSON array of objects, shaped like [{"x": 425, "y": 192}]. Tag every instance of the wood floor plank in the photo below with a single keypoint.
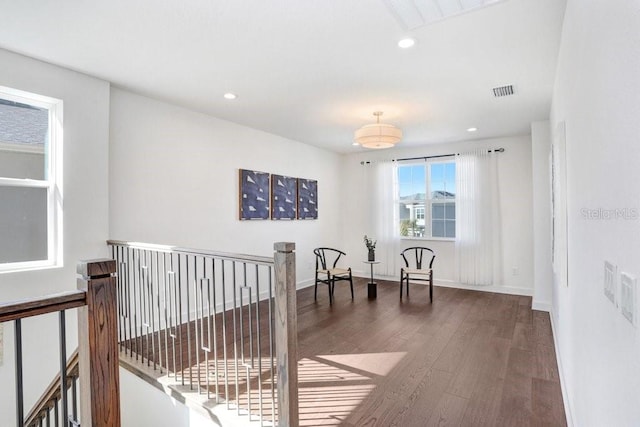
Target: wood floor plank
[
  {"x": 484, "y": 405},
  {"x": 520, "y": 363},
  {"x": 524, "y": 314},
  {"x": 410, "y": 403},
  {"x": 523, "y": 336},
  {"x": 416, "y": 410},
  {"x": 449, "y": 411},
  {"x": 506, "y": 318},
  {"x": 542, "y": 333},
  {"x": 546, "y": 367},
  {"x": 475, "y": 361},
  {"x": 515, "y": 404},
  {"x": 546, "y": 404},
  {"x": 469, "y": 358}
]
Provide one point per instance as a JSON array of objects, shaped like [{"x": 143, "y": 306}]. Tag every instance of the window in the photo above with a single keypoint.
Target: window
[
  {"x": 30, "y": 193},
  {"x": 426, "y": 200}
]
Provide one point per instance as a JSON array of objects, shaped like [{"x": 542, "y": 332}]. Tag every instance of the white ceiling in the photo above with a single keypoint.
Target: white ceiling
[{"x": 308, "y": 70}]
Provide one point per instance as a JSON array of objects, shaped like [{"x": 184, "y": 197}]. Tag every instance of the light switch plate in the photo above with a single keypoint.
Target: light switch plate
[
  {"x": 610, "y": 279},
  {"x": 628, "y": 297}
]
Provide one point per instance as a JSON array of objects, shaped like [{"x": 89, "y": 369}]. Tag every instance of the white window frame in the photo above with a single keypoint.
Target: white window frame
[
  {"x": 428, "y": 201},
  {"x": 52, "y": 181}
]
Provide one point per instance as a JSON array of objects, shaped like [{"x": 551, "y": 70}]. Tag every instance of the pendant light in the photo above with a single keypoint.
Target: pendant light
[{"x": 378, "y": 135}]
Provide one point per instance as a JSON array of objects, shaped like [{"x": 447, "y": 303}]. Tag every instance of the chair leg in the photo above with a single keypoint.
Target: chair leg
[
  {"x": 407, "y": 286},
  {"x": 315, "y": 292},
  {"x": 431, "y": 287},
  {"x": 351, "y": 283},
  {"x": 401, "y": 279},
  {"x": 331, "y": 288}
]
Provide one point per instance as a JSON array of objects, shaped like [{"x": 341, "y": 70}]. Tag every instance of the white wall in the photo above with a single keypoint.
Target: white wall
[
  {"x": 85, "y": 198},
  {"x": 542, "y": 275},
  {"x": 143, "y": 405},
  {"x": 597, "y": 95},
  {"x": 515, "y": 187},
  {"x": 174, "y": 180}
]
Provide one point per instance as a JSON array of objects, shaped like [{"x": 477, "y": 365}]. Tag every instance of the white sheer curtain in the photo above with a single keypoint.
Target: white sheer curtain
[
  {"x": 382, "y": 177},
  {"x": 478, "y": 225}
]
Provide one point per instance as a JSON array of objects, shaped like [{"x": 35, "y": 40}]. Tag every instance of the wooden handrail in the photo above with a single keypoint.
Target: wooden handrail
[
  {"x": 96, "y": 362},
  {"x": 98, "y": 345},
  {"x": 202, "y": 252},
  {"x": 52, "y": 393},
  {"x": 42, "y": 305}
]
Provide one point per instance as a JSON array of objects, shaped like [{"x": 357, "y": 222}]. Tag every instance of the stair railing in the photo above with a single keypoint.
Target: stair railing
[
  {"x": 97, "y": 352},
  {"x": 217, "y": 324}
]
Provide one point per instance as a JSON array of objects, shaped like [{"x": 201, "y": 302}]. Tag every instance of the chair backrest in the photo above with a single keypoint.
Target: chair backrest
[
  {"x": 417, "y": 256},
  {"x": 327, "y": 257}
]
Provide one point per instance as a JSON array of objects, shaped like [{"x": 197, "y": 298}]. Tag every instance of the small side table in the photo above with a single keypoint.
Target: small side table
[{"x": 372, "y": 287}]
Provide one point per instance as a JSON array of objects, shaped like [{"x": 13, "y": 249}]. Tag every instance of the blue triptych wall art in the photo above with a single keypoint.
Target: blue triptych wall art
[
  {"x": 279, "y": 197},
  {"x": 284, "y": 195},
  {"x": 254, "y": 195},
  {"x": 307, "y": 199}
]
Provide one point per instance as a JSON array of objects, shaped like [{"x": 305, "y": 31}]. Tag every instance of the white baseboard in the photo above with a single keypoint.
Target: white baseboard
[
  {"x": 541, "y": 306},
  {"x": 305, "y": 283},
  {"x": 563, "y": 383},
  {"x": 509, "y": 290}
]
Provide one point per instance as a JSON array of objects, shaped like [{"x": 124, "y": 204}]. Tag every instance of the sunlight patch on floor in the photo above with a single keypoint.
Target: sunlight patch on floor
[
  {"x": 333, "y": 386},
  {"x": 376, "y": 363},
  {"x": 330, "y": 405}
]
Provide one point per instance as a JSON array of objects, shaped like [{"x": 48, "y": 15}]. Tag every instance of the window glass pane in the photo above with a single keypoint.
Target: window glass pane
[
  {"x": 437, "y": 190},
  {"x": 450, "y": 176},
  {"x": 437, "y": 228},
  {"x": 437, "y": 211},
  {"x": 23, "y": 224},
  {"x": 411, "y": 182},
  {"x": 450, "y": 210},
  {"x": 439, "y": 218},
  {"x": 450, "y": 229},
  {"x": 24, "y": 132},
  {"x": 437, "y": 172},
  {"x": 21, "y": 165}
]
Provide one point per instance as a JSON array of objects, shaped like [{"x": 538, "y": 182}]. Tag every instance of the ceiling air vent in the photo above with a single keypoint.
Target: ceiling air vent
[{"x": 503, "y": 91}]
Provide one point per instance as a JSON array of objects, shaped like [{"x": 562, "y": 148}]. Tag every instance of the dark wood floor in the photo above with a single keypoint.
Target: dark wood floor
[{"x": 469, "y": 359}]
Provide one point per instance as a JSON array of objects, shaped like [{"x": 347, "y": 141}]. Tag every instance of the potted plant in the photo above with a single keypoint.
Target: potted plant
[{"x": 371, "y": 247}]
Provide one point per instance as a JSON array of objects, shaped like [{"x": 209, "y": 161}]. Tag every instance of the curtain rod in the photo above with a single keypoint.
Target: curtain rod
[{"x": 497, "y": 150}]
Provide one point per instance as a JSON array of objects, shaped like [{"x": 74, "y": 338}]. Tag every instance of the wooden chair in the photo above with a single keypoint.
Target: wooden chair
[
  {"x": 327, "y": 271},
  {"x": 415, "y": 259}
]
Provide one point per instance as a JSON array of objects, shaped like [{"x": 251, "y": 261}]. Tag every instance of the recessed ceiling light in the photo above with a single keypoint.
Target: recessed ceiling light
[
  {"x": 406, "y": 43},
  {"x": 472, "y": 129},
  {"x": 355, "y": 144},
  {"x": 230, "y": 95}
]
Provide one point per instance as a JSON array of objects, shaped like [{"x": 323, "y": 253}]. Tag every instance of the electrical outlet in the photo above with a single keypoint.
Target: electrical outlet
[
  {"x": 516, "y": 271},
  {"x": 610, "y": 277},
  {"x": 628, "y": 297}
]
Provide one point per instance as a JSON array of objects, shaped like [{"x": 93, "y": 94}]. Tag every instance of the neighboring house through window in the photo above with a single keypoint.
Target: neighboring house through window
[
  {"x": 426, "y": 199},
  {"x": 30, "y": 192}
]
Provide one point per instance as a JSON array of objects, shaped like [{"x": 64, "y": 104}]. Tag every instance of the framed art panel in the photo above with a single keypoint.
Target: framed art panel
[
  {"x": 283, "y": 197},
  {"x": 307, "y": 199},
  {"x": 254, "y": 195}
]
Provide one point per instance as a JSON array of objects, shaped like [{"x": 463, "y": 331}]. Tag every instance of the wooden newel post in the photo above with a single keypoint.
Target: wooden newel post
[
  {"x": 98, "y": 345},
  {"x": 286, "y": 328}
]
